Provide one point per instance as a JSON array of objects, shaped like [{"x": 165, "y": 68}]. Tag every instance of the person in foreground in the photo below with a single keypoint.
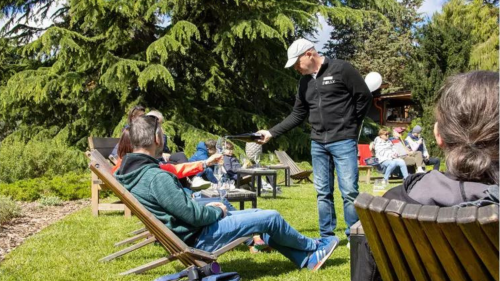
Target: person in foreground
[
  {"x": 466, "y": 129},
  {"x": 208, "y": 227}
]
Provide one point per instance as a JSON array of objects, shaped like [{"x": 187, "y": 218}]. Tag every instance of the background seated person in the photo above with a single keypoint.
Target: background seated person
[
  {"x": 417, "y": 143},
  {"x": 133, "y": 113},
  {"x": 203, "y": 151},
  {"x": 387, "y": 156},
  {"x": 231, "y": 162},
  {"x": 208, "y": 227},
  {"x": 411, "y": 158}
]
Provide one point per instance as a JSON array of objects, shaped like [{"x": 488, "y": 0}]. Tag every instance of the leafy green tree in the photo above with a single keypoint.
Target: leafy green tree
[
  {"x": 383, "y": 45},
  {"x": 212, "y": 67},
  {"x": 480, "y": 19},
  {"x": 448, "y": 45}
]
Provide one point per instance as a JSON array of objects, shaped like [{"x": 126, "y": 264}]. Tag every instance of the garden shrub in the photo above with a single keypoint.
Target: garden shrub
[
  {"x": 45, "y": 153},
  {"x": 70, "y": 186},
  {"x": 8, "y": 209},
  {"x": 50, "y": 201}
]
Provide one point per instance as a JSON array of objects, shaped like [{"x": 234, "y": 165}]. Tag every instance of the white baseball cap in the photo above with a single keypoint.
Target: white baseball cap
[{"x": 297, "y": 48}]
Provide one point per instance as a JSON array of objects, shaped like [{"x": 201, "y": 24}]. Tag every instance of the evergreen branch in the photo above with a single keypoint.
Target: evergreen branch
[{"x": 154, "y": 72}]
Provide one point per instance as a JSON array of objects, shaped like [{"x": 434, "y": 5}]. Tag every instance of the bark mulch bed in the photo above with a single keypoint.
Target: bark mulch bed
[{"x": 34, "y": 217}]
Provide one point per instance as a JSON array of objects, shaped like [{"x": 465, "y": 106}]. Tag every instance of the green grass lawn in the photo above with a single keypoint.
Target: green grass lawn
[{"x": 71, "y": 248}]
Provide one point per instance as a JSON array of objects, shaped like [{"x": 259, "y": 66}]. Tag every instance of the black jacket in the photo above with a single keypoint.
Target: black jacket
[{"x": 336, "y": 101}]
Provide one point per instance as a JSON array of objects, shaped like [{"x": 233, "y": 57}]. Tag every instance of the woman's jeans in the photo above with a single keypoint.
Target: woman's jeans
[
  {"x": 390, "y": 165},
  {"x": 343, "y": 156},
  {"x": 277, "y": 233}
]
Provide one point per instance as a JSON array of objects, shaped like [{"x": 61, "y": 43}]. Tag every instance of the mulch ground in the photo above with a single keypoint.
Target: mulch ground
[{"x": 35, "y": 217}]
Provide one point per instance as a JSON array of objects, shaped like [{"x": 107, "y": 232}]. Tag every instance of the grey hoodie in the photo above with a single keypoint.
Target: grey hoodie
[{"x": 435, "y": 188}]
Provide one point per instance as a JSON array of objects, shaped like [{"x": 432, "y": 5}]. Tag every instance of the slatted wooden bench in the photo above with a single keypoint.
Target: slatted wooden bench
[
  {"x": 105, "y": 147},
  {"x": 416, "y": 242},
  {"x": 296, "y": 172}
]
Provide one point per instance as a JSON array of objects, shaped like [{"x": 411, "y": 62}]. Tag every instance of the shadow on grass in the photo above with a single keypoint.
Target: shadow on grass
[{"x": 252, "y": 269}]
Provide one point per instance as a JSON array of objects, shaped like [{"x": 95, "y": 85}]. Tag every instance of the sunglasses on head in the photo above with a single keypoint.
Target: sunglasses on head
[{"x": 156, "y": 124}]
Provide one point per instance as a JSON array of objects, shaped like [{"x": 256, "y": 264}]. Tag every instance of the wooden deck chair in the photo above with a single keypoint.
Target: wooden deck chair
[
  {"x": 296, "y": 172},
  {"x": 416, "y": 242},
  {"x": 176, "y": 248},
  {"x": 139, "y": 234},
  {"x": 105, "y": 147}
]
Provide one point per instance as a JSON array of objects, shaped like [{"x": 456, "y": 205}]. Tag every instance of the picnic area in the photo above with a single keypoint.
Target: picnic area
[{"x": 269, "y": 140}]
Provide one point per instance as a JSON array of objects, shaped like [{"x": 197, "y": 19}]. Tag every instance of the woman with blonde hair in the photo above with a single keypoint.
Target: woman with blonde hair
[{"x": 387, "y": 155}]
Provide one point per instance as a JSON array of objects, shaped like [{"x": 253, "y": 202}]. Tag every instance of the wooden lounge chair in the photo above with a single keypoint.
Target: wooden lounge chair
[
  {"x": 296, "y": 172},
  {"x": 177, "y": 249},
  {"x": 105, "y": 147},
  {"x": 139, "y": 234},
  {"x": 416, "y": 242}
]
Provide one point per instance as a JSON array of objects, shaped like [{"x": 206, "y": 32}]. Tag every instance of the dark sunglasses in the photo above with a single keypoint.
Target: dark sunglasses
[{"x": 156, "y": 125}]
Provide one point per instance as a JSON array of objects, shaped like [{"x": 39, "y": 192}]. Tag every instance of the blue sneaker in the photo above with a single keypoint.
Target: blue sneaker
[{"x": 324, "y": 251}]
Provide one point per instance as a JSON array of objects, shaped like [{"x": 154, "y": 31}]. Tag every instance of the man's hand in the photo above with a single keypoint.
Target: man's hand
[
  {"x": 267, "y": 136},
  {"x": 214, "y": 159},
  {"x": 218, "y": 205},
  {"x": 419, "y": 141}
]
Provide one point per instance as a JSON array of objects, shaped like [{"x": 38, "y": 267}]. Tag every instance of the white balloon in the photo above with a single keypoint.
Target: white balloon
[{"x": 373, "y": 80}]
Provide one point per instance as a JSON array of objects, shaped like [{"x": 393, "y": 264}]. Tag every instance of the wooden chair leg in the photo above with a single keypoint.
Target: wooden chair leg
[
  {"x": 133, "y": 239},
  {"x": 128, "y": 212},
  {"x": 138, "y": 231},
  {"x": 129, "y": 249},
  {"x": 94, "y": 194},
  {"x": 151, "y": 265}
]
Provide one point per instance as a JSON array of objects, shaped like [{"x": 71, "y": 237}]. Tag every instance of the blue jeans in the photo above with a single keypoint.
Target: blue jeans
[
  {"x": 390, "y": 165},
  {"x": 343, "y": 156},
  {"x": 208, "y": 174},
  {"x": 277, "y": 233}
]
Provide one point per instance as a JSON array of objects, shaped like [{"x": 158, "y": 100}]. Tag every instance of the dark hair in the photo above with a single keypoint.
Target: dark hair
[
  {"x": 124, "y": 145},
  {"x": 135, "y": 112},
  {"x": 210, "y": 144},
  {"x": 229, "y": 145},
  {"x": 467, "y": 121}
]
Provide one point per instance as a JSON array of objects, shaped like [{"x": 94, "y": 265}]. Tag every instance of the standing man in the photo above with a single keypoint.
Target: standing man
[{"x": 336, "y": 98}]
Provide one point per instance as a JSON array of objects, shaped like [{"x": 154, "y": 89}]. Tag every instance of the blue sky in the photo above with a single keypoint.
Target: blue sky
[{"x": 429, "y": 7}]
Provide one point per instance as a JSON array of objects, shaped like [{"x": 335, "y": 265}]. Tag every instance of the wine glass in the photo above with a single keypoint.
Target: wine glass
[
  {"x": 221, "y": 143},
  {"x": 271, "y": 158},
  {"x": 218, "y": 173}
]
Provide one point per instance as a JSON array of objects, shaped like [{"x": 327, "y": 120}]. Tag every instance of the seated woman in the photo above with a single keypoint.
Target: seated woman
[
  {"x": 466, "y": 129},
  {"x": 387, "y": 155}
]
